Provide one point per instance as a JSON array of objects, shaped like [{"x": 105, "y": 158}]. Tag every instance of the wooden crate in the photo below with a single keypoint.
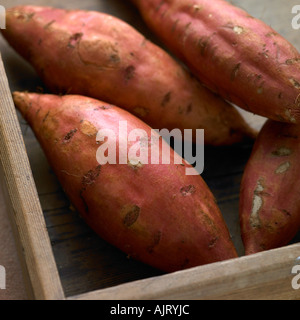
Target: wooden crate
[{"x": 63, "y": 258}]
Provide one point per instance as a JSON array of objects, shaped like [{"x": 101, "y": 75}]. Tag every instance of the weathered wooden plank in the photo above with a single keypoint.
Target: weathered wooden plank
[
  {"x": 26, "y": 212},
  {"x": 263, "y": 276}
]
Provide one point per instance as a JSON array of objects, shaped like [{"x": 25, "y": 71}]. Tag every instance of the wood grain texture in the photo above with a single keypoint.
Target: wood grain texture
[
  {"x": 24, "y": 201},
  {"x": 88, "y": 267},
  {"x": 263, "y": 276},
  {"x": 15, "y": 287}
]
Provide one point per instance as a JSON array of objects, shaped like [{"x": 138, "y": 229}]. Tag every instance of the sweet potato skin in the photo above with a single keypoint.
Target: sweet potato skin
[
  {"x": 153, "y": 212},
  {"x": 97, "y": 55},
  {"x": 270, "y": 189},
  {"x": 234, "y": 54}
]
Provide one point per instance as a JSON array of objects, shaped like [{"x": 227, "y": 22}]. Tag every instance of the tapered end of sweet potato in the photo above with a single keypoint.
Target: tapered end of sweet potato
[
  {"x": 27, "y": 103},
  {"x": 16, "y": 18}
]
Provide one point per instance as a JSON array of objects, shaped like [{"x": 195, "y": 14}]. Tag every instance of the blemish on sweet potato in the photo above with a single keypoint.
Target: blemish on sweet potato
[
  {"x": 289, "y": 116},
  {"x": 208, "y": 221},
  {"x": 115, "y": 58},
  {"x": 282, "y": 152},
  {"x": 187, "y": 26},
  {"x": 135, "y": 164},
  {"x": 189, "y": 108},
  {"x": 46, "y": 116},
  {"x": 238, "y": 29},
  {"x": 70, "y": 174},
  {"x": 49, "y": 24},
  {"x": 174, "y": 25},
  {"x": 159, "y": 5},
  {"x": 185, "y": 36},
  {"x": 91, "y": 177},
  {"x": 156, "y": 241},
  {"x": 295, "y": 83},
  {"x": 287, "y": 213},
  {"x": 292, "y": 61},
  {"x": 69, "y": 135},
  {"x": 74, "y": 39},
  {"x": 257, "y": 204},
  {"x": 283, "y": 168},
  {"x": 106, "y": 107},
  {"x": 197, "y": 7},
  {"x": 297, "y": 100},
  {"x": 202, "y": 44},
  {"x": 271, "y": 34},
  {"x": 38, "y": 111},
  {"x": 23, "y": 16},
  {"x": 129, "y": 72},
  {"x": 132, "y": 214},
  {"x": 88, "y": 128},
  {"x": 213, "y": 242},
  {"x": 141, "y": 111},
  {"x": 166, "y": 99},
  {"x": 188, "y": 190},
  {"x": 260, "y": 90},
  {"x": 235, "y": 71}
]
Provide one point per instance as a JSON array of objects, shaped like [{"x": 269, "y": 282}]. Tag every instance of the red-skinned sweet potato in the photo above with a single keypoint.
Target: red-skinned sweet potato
[
  {"x": 270, "y": 189},
  {"x": 239, "y": 57},
  {"x": 153, "y": 212},
  {"x": 100, "y": 56}
]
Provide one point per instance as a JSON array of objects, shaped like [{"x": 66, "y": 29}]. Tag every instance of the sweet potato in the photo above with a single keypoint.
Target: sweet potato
[
  {"x": 100, "y": 56},
  {"x": 153, "y": 212},
  {"x": 234, "y": 54},
  {"x": 270, "y": 188}
]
